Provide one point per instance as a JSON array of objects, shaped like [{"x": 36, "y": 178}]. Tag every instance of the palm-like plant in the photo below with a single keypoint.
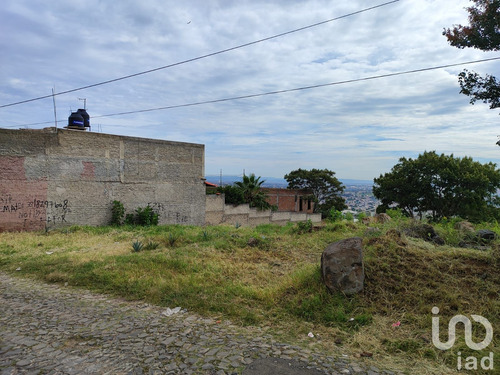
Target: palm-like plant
[{"x": 251, "y": 189}]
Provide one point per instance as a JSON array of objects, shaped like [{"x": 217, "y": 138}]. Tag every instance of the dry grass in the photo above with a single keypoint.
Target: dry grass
[{"x": 273, "y": 281}]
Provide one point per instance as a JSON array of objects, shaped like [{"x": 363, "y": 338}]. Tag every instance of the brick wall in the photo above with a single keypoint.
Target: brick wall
[
  {"x": 55, "y": 177},
  {"x": 290, "y": 199}
]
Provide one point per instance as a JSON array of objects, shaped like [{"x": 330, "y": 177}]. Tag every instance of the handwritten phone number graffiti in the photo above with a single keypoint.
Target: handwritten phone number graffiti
[
  {"x": 34, "y": 204},
  {"x": 48, "y": 204},
  {"x": 47, "y": 211}
]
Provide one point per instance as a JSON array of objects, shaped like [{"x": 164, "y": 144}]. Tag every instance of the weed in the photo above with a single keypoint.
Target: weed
[
  {"x": 395, "y": 213},
  {"x": 213, "y": 271},
  {"x": 205, "y": 236},
  {"x": 6, "y": 249},
  {"x": 130, "y": 219},
  {"x": 406, "y": 345},
  {"x": 495, "y": 255},
  {"x": 303, "y": 227},
  {"x": 261, "y": 242},
  {"x": 172, "y": 239},
  {"x": 117, "y": 213},
  {"x": 361, "y": 216},
  {"x": 335, "y": 215},
  {"x": 146, "y": 216},
  {"x": 348, "y": 216},
  {"x": 151, "y": 245},
  {"x": 143, "y": 217}
]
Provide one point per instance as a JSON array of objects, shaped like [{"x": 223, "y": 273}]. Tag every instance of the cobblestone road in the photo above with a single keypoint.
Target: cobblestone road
[{"x": 48, "y": 329}]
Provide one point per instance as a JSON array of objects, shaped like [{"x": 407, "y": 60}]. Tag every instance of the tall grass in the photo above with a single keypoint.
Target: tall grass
[{"x": 269, "y": 276}]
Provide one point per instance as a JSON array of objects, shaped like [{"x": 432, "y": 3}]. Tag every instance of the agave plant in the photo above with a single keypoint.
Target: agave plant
[{"x": 137, "y": 246}]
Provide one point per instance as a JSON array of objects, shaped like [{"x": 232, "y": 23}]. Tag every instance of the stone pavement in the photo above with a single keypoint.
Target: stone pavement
[{"x": 49, "y": 329}]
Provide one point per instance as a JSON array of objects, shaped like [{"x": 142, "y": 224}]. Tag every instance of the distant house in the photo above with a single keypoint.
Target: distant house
[
  {"x": 210, "y": 188},
  {"x": 294, "y": 200}
]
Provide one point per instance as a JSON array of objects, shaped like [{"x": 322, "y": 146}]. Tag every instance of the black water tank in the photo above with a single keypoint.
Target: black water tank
[
  {"x": 86, "y": 117},
  {"x": 76, "y": 120}
]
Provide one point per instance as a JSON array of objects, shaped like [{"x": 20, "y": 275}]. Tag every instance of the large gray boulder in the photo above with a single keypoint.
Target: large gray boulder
[{"x": 342, "y": 266}]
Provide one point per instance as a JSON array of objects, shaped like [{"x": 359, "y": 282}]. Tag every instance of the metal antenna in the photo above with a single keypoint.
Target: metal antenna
[
  {"x": 54, "y": 101},
  {"x": 84, "y": 102}
]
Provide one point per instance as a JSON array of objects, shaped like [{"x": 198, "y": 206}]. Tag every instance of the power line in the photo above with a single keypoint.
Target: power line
[
  {"x": 281, "y": 91},
  {"x": 34, "y": 123},
  {"x": 200, "y": 57},
  {"x": 299, "y": 88}
]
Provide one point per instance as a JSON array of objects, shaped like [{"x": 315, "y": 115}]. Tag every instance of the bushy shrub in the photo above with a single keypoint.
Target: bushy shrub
[
  {"x": 361, "y": 216},
  {"x": 117, "y": 213},
  {"x": 335, "y": 215},
  {"x": 395, "y": 213},
  {"x": 232, "y": 194},
  {"x": 130, "y": 219},
  {"x": 303, "y": 227},
  {"x": 146, "y": 216},
  {"x": 143, "y": 216},
  {"x": 348, "y": 216}
]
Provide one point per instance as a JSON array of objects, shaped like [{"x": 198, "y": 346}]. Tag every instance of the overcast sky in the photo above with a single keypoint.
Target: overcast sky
[{"x": 359, "y": 129}]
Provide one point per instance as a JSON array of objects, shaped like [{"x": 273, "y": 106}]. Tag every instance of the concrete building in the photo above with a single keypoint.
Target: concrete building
[
  {"x": 293, "y": 200},
  {"x": 54, "y": 177}
]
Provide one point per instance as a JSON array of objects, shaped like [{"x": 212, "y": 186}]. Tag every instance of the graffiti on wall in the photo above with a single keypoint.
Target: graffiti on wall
[
  {"x": 171, "y": 216},
  {"x": 30, "y": 210}
]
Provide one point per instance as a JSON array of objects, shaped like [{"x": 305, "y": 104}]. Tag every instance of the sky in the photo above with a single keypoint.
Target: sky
[{"x": 358, "y": 130}]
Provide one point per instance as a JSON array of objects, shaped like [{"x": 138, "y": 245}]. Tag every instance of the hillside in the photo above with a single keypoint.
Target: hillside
[{"x": 269, "y": 277}]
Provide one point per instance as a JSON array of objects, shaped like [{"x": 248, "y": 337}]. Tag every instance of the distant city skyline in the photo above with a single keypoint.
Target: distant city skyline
[{"x": 274, "y": 181}]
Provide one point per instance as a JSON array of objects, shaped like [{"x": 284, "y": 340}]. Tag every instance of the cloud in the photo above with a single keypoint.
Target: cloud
[{"x": 358, "y": 129}]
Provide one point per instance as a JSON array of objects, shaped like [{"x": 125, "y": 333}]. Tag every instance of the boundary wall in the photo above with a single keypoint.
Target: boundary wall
[
  {"x": 218, "y": 212},
  {"x": 55, "y": 177}
]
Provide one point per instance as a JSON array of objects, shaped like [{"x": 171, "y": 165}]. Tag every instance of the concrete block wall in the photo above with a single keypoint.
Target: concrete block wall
[
  {"x": 220, "y": 213},
  {"x": 56, "y": 177}
]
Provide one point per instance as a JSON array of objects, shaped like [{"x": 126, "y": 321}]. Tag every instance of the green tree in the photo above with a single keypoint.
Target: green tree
[
  {"x": 442, "y": 186},
  {"x": 250, "y": 186},
  {"x": 232, "y": 194},
  {"x": 325, "y": 188},
  {"x": 483, "y": 33}
]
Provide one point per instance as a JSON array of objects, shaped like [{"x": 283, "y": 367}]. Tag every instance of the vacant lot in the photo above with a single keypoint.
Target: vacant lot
[{"x": 269, "y": 277}]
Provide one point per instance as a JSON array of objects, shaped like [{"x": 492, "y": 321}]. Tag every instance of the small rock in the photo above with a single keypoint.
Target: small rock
[
  {"x": 23, "y": 362},
  {"x": 486, "y": 235},
  {"x": 382, "y": 218},
  {"x": 170, "y": 312},
  {"x": 464, "y": 226}
]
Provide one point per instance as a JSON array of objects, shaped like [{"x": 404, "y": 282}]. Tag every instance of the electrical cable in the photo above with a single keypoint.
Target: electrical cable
[
  {"x": 298, "y": 88},
  {"x": 199, "y": 57},
  {"x": 281, "y": 91}
]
